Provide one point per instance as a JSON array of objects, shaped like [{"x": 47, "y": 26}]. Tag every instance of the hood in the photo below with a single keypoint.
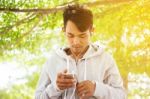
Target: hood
[{"x": 93, "y": 50}]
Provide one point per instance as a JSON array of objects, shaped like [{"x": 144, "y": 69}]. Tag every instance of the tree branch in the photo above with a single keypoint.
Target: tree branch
[
  {"x": 28, "y": 32},
  {"x": 17, "y": 42},
  {"x": 8, "y": 28},
  {"x": 60, "y": 8},
  {"x": 97, "y": 3}
]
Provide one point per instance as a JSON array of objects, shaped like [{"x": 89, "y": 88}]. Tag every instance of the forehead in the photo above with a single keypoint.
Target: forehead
[{"x": 72, "y": 28}]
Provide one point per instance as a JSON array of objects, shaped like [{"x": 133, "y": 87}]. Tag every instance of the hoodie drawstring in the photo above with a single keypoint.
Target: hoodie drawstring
[
  {"x": 67, "y": 64},
  {"x": 85, "y": 69},
  {"x": 65, "y": 97}
]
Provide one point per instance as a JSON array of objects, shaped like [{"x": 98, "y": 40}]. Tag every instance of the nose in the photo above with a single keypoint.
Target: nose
[{"x": 76, "y": 40}]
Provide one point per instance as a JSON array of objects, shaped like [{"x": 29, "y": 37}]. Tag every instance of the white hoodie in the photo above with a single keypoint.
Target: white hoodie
[{"x": 96, "y": 65}]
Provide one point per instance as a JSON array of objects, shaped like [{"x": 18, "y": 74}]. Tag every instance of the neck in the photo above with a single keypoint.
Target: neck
[{"x": 77, "y": 56}]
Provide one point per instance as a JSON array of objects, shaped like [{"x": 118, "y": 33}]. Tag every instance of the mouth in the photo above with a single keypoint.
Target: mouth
[{"x": 76, "y": 47}]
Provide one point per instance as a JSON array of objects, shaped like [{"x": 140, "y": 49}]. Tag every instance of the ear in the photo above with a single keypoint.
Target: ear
[
  {"x": 63, "y": 29},
  {"x": 92, "y": 30}
]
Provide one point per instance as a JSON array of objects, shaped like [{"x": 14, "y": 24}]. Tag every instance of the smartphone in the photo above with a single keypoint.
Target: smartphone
[{"x": 71, "y": 75}]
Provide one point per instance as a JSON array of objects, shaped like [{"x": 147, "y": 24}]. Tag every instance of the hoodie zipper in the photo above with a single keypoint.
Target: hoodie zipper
[{"x": 76, "y": 61}]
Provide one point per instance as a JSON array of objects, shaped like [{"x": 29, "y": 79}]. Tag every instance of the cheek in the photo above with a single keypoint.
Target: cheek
[
  {"x": 85, "y": 40},
  {"x": 70, "y": 40}
]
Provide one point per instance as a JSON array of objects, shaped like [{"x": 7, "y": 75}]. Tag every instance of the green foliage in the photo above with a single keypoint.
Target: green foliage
[{"x": 27, "y": 37}]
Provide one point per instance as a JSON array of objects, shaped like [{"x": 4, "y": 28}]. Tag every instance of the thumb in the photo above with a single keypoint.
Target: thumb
[{"x": 65, "y": 71}]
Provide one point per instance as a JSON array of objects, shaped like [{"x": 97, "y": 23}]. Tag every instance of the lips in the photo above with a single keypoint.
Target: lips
[{"x": 76, "y": 46}]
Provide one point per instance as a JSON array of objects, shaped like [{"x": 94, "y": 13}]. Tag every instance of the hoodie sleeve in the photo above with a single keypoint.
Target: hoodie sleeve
[
  {"x": 112, "y": 86},
  {"x": 45, "y": 88}
]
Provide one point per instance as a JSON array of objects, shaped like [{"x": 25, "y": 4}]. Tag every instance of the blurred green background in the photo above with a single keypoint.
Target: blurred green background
[{"x": 30, "y": 29}]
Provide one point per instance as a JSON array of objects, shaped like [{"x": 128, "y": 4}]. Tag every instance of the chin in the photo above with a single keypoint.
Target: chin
[{"x": 77, "y": 50}]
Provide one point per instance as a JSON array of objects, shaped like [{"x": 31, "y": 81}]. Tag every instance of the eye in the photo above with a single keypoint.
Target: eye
[
  {"x": 70, "y": 35},
  {"x": 82, "y": 36}
]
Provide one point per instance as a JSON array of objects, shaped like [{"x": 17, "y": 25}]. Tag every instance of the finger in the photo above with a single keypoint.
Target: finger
[
  {"x": 80, "y": 89},
  {"x": 65, "y": 71},
  {"x": 68, "y": 76},
  {"x": 84, "y": 97},
  {"x": 65, "y": 85},
  {"x": 62, "y": 88},
  {"x": 81, "y": 84},
  {"x": 88, "y": 94},
  {"x": 59, "y": 75},
  {"x": 83, "y": 93},
  {"x": 67, "y": 81}
]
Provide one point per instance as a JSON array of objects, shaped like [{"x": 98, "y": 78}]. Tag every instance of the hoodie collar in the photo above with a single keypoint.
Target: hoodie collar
[{"x": 92, "y": 51}]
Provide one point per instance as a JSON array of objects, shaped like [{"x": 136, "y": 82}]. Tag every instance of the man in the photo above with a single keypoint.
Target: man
[{"x": 82, "y": 70}]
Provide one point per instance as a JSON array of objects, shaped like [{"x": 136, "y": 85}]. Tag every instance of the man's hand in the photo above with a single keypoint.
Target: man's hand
[
  {"x": 85, "y": 89},
  {"x": 65, "y": 80}
]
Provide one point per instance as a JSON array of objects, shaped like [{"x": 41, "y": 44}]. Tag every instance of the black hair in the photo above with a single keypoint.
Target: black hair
[{"x": 79, "y": 15}]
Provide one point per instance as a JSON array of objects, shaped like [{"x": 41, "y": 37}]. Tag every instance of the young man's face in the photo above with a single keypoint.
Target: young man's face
[{"x": 77, "y": 40}]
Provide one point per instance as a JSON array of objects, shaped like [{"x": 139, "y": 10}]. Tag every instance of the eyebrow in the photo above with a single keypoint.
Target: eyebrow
[{"x": 77, "y": 35}]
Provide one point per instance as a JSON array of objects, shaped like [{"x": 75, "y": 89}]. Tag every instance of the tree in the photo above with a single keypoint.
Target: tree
[{"x": 31, "y": 28}]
